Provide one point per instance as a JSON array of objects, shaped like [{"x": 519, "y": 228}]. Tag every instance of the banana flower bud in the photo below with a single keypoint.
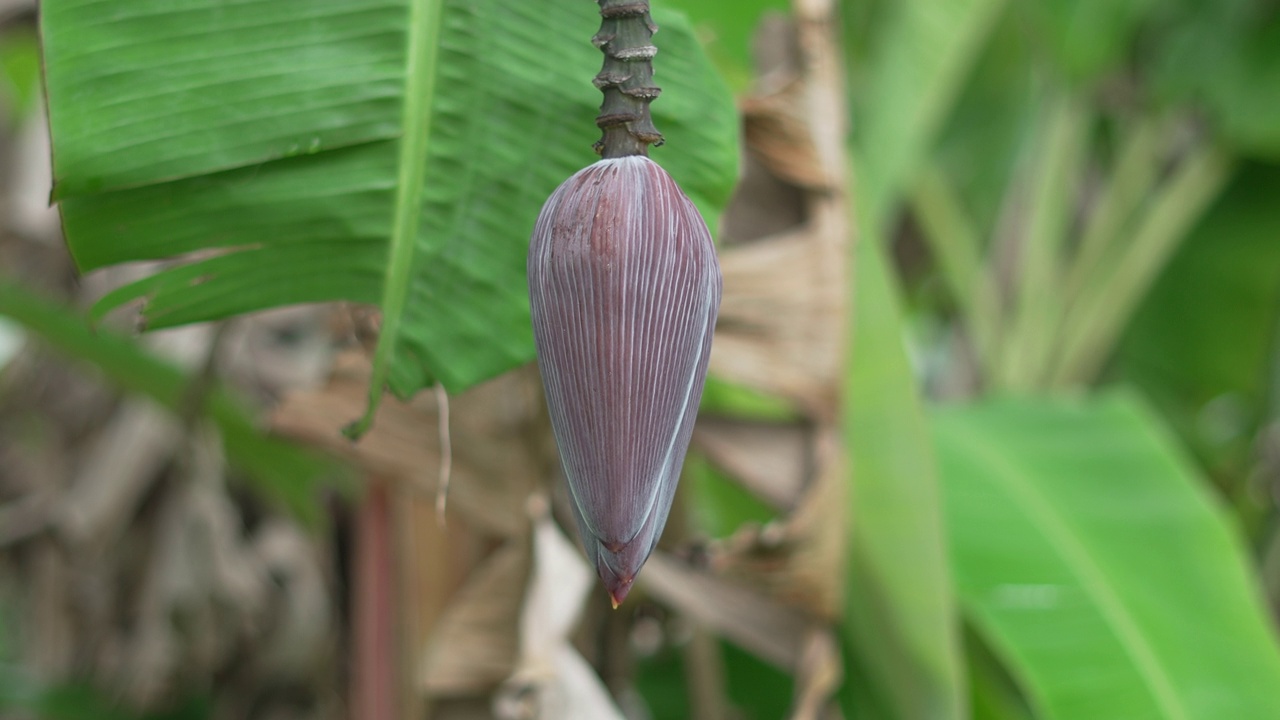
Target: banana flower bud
[{"x": 624, "y": 288}]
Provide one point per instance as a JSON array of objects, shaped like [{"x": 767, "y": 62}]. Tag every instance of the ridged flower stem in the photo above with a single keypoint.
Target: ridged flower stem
[{"x": 626, "y": 79}]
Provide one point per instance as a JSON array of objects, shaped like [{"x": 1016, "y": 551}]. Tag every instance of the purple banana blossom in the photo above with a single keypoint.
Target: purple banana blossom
[{"x": 624, "y": 287}]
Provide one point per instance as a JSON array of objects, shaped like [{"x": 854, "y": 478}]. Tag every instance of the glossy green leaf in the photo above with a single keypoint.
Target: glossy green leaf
[
  {"x": 283, "y": 472},
  {"x": 388, "y": 151},
  {"x": 1098, "y": 566},
  {"x": 901, "y": 624}
]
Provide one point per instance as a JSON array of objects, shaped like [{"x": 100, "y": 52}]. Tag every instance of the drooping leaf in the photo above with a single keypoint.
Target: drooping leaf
[
  {"x": 281, "y": 471},
  {"x": 389, "y": 151},
  {"x": 1097, "y": 565},
  {"x": 901, "y": 623}
]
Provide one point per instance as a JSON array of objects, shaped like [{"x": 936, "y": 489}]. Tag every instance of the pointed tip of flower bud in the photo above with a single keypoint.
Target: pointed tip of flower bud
[
  {"x": 618, "y": 563},
  {"x": 618, "y": 570},
  {"x": 618, "y": 594}
]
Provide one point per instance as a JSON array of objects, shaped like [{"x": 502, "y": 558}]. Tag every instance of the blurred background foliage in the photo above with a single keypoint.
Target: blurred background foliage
[{"x": 1061, "y": 399}]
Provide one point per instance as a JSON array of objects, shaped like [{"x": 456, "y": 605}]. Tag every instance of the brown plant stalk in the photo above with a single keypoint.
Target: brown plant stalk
[{"x": 626, "y": 79}]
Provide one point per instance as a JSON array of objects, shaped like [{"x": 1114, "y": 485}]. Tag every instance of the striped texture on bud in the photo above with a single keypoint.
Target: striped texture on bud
[{"x": 624, "y": 288}]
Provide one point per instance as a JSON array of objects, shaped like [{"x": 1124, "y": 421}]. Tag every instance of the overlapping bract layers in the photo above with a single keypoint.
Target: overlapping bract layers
[{"x": 624, "y": 287}]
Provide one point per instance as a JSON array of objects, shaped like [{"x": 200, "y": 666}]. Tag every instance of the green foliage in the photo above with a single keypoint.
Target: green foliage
[
  {"x": 322, "y": 157},
  {"x": 397, "y": 151},
  {"x": 727, "y": 30},
  {"x": 1053, "y": 183},
  {"x": 19, "y": 72},
  {"x": 726, "y": 398},
  {"x": 756, "y": 690},
  {"x": 1225, "y": 57},
  {"x": 994, "y": 694},
  {"x": 900, "y": 621},
  {"x": 991, "y": 122},
  {"x": 721, "y": 505},
  {"x": 82, "y": 702},
  {"x": 1089, "y": 553},
  {"x": 917, "y": 64},
  {"x": 1050, "y": 213},
  {"x": 660, "y": 680},
  {"x": 1088, "y": 37},
  {"x": 283, "y": 472},
  {"x": 1203, "y": 342}
]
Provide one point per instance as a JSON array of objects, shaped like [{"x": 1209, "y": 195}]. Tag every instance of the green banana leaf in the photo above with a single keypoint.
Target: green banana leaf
[
  {"x": 901, "y": 623},
  {"x": 378, "y": 151},
  {"x": 1092, "y": 559}
]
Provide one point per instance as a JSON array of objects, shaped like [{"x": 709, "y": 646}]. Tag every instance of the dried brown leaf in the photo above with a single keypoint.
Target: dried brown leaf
[
  {"x": 780, "y": 321},
  {"x": 736, "y": 611},
  {"x": 818, "y": 676},
  {"x": 476, "y": 643},
  {"x": 771, "y": 460},
  {"x": 496, "y": 454},
  {"x": 776, "y": 131},
  {"x": 799, "y": 560}
]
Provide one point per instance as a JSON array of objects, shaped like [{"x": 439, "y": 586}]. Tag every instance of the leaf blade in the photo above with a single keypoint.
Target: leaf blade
[
  {"x": 269, "y": 94},
  {"x": 420, "y": 83},
  {"x": 901, "y": 621},
  {"x": 511, "y": 117},
  {"x": 1086, "y": 550}
]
